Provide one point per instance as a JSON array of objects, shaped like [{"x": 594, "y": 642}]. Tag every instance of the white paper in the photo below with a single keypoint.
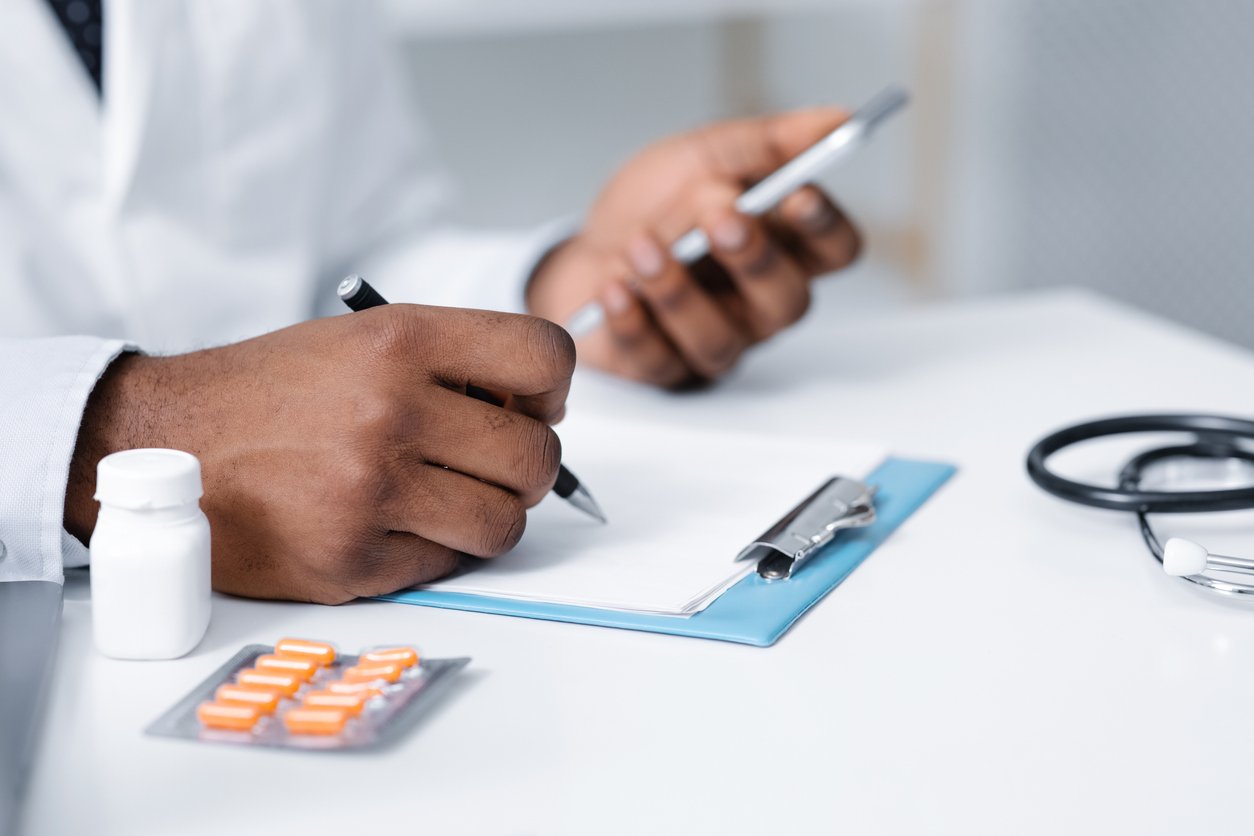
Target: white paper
[{"x": 681, "y": 505}]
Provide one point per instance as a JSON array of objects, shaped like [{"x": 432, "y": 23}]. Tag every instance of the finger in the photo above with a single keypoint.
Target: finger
[
  {"x": 748, "y": 150},
  {"x": 822, "y": 237},
  {"x": 512, "y": 402},
  {"x": 402, "y": 560},
  {"x": 486, "y": 442},
  {"x": 641, "y": 351},
  {"x": 697, "y": 326},
  {"x": 458, "y": 511},
  {"x": 529, "y": 357},
  {"x": 771, "y": 283}
]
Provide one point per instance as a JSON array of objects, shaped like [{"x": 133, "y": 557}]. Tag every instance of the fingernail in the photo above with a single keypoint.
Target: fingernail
[
  {"x": 615, "y": 298},
  {"x": 813, "y": 211},
  {"x": 646, "y": 257},
  {"x": 730, "y": 234}
]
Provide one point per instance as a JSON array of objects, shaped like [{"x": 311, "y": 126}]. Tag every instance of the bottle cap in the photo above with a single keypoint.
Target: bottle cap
[{"x": 148, "y": 478}]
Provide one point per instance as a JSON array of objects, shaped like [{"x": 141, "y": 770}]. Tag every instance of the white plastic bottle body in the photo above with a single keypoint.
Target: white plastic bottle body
[
  {"x": 150, "y": 556},
  {"x": 150, "y": 582}
]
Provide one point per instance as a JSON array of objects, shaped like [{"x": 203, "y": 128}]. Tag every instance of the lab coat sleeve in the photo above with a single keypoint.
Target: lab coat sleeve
[
  {"x": 462, "y": 267},
  {"x": 391, "y": 199},
  {"x": 44, "y": 384}
]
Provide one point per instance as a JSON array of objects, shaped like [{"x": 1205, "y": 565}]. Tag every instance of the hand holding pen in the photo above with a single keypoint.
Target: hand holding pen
[
  {"x": 358, "y": 295},
  {"x": 341, "y": 457}
]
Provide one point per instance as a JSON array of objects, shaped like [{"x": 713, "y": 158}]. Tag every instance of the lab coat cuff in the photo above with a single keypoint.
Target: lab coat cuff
[
  {"x": 45, "y": 386},
  {"x": 541, "y": 244},
  {"x": 465, "y": 268}
]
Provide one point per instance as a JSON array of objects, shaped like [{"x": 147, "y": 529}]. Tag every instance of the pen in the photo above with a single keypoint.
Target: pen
[
  {"x": 357, "y": 293},
  {"x": 767, "y": 194}
]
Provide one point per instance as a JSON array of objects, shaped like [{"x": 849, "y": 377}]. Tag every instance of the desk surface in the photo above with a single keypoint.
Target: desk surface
[{"x": 1005, "y": 663}]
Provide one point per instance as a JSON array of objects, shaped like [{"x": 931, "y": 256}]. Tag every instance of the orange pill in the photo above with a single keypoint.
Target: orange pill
[
  {"x": 219, "y": 715},
  {"x": 266, "y": 699},
  {"x": 285, "y": 683},
  {"x": 320, "y": 652},
  {"x": 406, "y": 657},
  {"x": 368, "y": 689},
  {"x": 303, "y": 668},
  {"x": 315, "y": 720},
  {"x": 352, "y": 703},
  {"x": 370, "y": 673}
]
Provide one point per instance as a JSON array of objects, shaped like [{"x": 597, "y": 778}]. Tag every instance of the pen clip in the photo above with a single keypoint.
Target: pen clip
[{"x": 838, "y": 504}]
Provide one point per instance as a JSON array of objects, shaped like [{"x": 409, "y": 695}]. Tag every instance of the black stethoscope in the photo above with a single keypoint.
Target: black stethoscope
[{"x": 1216, "y": 437}]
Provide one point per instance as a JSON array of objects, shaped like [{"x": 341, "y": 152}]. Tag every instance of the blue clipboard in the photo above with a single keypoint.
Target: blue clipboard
[{"x": 753, "y": 611}]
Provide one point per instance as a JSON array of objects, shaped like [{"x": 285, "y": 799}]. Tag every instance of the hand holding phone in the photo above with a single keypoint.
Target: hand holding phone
[{"x": 768, "y": 193}]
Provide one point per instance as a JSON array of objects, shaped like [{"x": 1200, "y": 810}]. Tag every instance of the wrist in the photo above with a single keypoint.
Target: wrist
[
  {"x": 112, "y": 420},
  {"x": 543, "y": 294}
]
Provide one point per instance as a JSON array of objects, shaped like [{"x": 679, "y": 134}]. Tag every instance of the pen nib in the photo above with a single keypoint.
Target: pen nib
[{"x": 583, "y": 500}]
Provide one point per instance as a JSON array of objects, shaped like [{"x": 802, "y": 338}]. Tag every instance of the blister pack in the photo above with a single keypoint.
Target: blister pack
[{"x": 302, "y": 694}]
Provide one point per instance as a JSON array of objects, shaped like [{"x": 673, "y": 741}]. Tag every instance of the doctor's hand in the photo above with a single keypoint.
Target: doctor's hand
[
  {"x": 671, "y": 325},
  {"x": 342, "y": 457}
]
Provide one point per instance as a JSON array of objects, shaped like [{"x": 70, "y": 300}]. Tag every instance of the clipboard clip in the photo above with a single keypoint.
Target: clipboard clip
[{"x": 838, "y": 504}]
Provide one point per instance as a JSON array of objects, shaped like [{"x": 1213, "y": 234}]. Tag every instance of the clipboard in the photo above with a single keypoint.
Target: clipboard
[{"x": 754, "y": 611}]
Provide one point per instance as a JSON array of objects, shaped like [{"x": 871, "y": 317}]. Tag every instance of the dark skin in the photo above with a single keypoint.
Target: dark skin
[
  {"x": 342, "y": 458},
  {"x": 671, "y": 325}
]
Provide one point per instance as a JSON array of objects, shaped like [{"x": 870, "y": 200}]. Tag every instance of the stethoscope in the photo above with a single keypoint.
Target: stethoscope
[{"x": 1216, "y": 437}]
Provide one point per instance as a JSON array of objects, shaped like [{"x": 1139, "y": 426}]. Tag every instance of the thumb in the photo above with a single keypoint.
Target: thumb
[{"x": 750, "y": 149}]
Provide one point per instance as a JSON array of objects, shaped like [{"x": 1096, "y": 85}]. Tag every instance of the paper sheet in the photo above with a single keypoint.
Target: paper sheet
[{"x": 681, "y": 504}]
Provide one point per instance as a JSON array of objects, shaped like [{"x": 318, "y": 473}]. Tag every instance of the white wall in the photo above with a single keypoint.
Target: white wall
[{"x": 1067, "y": 142}]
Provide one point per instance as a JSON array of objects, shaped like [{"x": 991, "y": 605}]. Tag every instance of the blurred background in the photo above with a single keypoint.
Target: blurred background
[{"x": 1068, "y": 142}]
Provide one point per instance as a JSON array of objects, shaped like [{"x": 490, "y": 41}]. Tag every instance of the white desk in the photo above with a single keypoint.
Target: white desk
[{"x": 1005, "y": 664}]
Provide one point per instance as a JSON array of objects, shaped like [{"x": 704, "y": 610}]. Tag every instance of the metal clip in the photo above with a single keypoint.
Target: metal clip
[{"x": 840, "y": 503}]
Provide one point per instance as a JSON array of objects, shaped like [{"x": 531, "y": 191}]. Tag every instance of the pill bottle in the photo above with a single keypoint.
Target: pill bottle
[{"x": 150, "y": 583}]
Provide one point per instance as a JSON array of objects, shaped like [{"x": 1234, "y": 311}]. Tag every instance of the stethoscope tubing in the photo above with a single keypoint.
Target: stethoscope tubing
[{"x": 1217, "y": 435}]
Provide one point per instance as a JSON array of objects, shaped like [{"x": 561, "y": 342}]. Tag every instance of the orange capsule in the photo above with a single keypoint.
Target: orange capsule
[
  {"x": 406, "y": 657},
  {"x": 315, "y": 720},
  {"x": 352, "y": 703},
  {"x": 218, "y": 715},
  {"x": 367, "y": 689},
  {"x": 285, "y": 683},
  {"x": 302, "y": 668},
  {"x": 320, "y": 652},
  {"x": 369, "y": 673},
  {"x": 266, "y": 699}
]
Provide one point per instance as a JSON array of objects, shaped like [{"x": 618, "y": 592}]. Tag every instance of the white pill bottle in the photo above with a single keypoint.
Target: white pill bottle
[{"x": 150, "y": 571}]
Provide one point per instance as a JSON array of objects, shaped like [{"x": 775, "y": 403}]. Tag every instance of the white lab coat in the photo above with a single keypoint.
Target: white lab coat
[{"x": 247, "y": 154}]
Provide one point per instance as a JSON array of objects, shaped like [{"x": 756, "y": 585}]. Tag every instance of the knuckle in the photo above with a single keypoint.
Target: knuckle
[
  {"x": 435, "y": 562},
  {"x": 791, "y": 309},
  {"x": 762, "y": 260},
  {"x": 673, "y": 295},
  {"x": 666, "y": 373},
  {"x": 630, "y": 336},
  {"x": 813, "y": 214},
  {"x": 720, "y": 357},
  {"x": 504, "y": 521},
  {"x": 551, "y": 347},
  {"x": 541, "y": 456},
  {"x": 785, "y": 310},
  {"x": 360, "y": 479},
  {"x": 376, "y": 415},
  {"x": 353, "y": 564},
  {"x": 392, "y": 331},
  {"x": 852, "y": 247},
  {"x": 800, "y": 306}
]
